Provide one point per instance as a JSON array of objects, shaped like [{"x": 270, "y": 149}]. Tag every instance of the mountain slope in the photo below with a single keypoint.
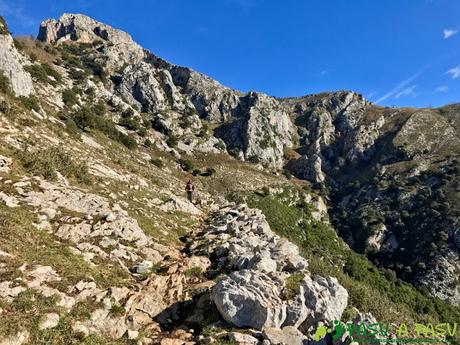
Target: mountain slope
[{"x": 99, "y": 245}]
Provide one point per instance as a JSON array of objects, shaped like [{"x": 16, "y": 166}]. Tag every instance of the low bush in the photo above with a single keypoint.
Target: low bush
[
  {"x": 69, "y": 97},
  {"x": 87, "y": 118},
  {"x": 128, "y": 140},
  {"x": 157, "y": 162},
  {"x": 185, "y": 164},
  {"x": 47, "y": 162},
  {"x": 43, "y": 72},
  {"x": 8, "y": 109},
  {"x": 193, "y": 272},
  {"x": 208, "y": 172},
  {"x": 30, "y": 102},
  {"x": 292, "y": 286},
  {"x": 172, "y": 141},
  {"x": 131, "y": 123},
  {"x": 142, "y": 132},
  {"x": 4, "y": 83},
  {"x": 72, "y": 128}
]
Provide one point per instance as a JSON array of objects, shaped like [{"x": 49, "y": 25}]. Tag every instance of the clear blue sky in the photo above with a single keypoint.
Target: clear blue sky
[{"x": 395, "y": 52}]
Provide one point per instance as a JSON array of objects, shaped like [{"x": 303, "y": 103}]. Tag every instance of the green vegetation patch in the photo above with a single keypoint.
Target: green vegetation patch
[
  {"x": 4, "y": 83},
  {"x": 48, "y": 162},
  {"x": 44, "y": 73},
  {"x": 292, "y": 286}
]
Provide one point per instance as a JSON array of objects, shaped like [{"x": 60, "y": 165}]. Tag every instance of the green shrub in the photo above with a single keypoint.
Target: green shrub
[
  {"x": 193, "y": 272},
  {"x": 95, "y": 66},
  {"x": 30, "y": 102},
  {"x": 128, "y": 113},
  {"x": 117, "y": 310},
  {"x": 208, "y": 172},
  {"x": 43, "y": 72},
  {"x": 147, "y": 121},
  {"x": 185, "y": 164},
  {"x": 254, "y": 159},
  {"x": 77, "y": 74},
  {"x": 69, "y": 97},
  {"x": 99, "y": 108},
  {"x": 147, "y": 142},
  {"x": 4, "y": 83},
  {"x": 71, "y": 127},
  {"x": 49, "y": 49},
  {"x": 87, "y": 118},
  {"x": 185, "y": 122},
  {"x": 142, "y": 132},
  {"x": 130, "y": 123},
  {"x": 172, "y": 141},
  {"x": 47, "y": 162},
  {"x": 157, "y": 162},
  {"x": 292, "y": 286},
  {"x": 128, "y": 140},
  {"x": 8, "y": 109},
  {"x": 84, "y": 118}
]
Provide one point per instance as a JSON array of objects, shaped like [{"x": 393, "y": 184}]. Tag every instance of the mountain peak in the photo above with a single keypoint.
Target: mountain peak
[{"x": 80, "y": 28}]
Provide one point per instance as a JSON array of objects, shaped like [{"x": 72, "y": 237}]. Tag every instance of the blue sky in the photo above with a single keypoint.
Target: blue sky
[{"x": 394, "y": 52}]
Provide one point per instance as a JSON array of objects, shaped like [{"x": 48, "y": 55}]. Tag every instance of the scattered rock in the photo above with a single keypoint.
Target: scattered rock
[
  {"x": 49, "y": 320},
  {"x": 180, "y": 204},
  {"x": 286, "y": 336}
]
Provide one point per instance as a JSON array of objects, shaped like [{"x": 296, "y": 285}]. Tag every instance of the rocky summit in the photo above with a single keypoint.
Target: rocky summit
[{"x": 306, "y": 211}]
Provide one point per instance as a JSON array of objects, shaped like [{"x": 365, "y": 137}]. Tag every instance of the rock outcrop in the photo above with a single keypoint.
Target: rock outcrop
[{"x": 12, "y": 64}]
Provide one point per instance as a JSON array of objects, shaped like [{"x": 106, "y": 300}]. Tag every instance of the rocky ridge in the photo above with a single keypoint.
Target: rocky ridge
[{"x": 251, "y": 124}]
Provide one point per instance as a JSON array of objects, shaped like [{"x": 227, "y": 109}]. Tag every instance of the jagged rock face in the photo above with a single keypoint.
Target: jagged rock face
[
  {"x": 441, "y": 278},
  {"x": 80, "y": 28},
  {"x": 331, "y": 132},
  {"x": 373, "y": 156},
  {"x": 11, "y": 64},
  {"x": 260, "y": 130},
  {"x": 213, "y": 102}
]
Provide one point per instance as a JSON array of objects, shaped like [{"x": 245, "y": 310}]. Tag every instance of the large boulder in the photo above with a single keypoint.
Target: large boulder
[{"x": 252, "y": 299}]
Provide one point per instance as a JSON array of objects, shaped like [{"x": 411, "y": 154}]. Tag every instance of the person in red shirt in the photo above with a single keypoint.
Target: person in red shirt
[{"x": 189, "y": 188}]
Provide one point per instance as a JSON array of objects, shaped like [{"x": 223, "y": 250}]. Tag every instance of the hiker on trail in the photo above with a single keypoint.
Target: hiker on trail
[{"x": 190, "y": 188}]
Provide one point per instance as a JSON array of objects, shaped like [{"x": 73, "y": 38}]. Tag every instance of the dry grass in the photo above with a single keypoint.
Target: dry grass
[{"x": 36, "y": 50}]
